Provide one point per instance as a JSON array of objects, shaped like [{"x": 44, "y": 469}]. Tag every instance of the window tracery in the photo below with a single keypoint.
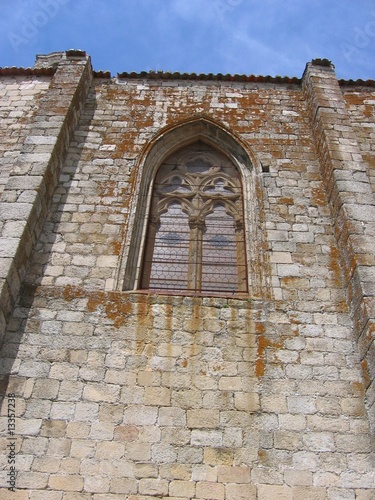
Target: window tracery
[{"x": 195, "y": 239}]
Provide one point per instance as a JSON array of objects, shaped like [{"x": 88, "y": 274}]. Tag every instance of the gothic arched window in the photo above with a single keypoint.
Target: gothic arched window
[{"x": 195, "y": 237}]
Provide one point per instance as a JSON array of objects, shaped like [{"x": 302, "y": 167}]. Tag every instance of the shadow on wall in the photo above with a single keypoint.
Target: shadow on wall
[{"x": 24, "y": 324}]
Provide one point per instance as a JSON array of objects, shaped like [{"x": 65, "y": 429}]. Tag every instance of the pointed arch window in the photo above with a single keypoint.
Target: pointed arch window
[{"x": 195, "y": 237}]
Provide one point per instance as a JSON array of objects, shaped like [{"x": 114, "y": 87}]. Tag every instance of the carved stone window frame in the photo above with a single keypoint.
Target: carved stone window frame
[
  {"x": 167, "y": 142},
  {"x": 198, "y": 181}
]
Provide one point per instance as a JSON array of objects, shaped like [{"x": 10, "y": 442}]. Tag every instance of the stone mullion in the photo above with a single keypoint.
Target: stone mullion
[
  {"x": 195, "y": 255},
  {"x": 196, "y": 224}
]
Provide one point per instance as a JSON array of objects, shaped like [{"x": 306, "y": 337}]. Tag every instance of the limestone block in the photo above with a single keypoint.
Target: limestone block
[
  {"x": 69, "y": 482},
  {"x": 100, "y": 392},
  {"x": 310, "y": 492},
  {"x": 172, "y": 416},
  {"x": 210, "y": 491},
  {"x": 96, "y": 484},
  {"x": 319, "y": 441},
  {"x": 204, "y": 473},
  {"x": 163, "y": 453},
  {"x": 153, "y": 487},
  {"x": 82, "y": 448},
  {"x": 54, "y": 428},
  {"x": 105, "y": 449},
  {"x": 240, "y": 492},
  {"x": 206, "y": 438},
  {"x": 265, "y": 492},
  {"x": 237, "y": 474},
  {"x": 157, "y": 396},
  {"x": 203, "y": 418},
  {"x": 185, "y": 489}
]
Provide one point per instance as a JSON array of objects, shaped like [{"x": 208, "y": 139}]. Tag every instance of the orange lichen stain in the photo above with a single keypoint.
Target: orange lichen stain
[
  {"x": 370, "y": 333},
  {"x": 143, "y": 312},
  {"x": 184, "y": 363},
  {"x": 106, "y": 188},
  {"x": 334, "y": 264},
  {"x": 318, "y": 197},
  {"x": 126, "y": 145},
  {"x": 144, "y": 327},
  {"x": 260, "y": 365},
  {"x": 358, "y": 389},
  {"x": 366, "y": 373},
  {"x": 195, "y": 320},
  {"x": 115, "y": 306},
  {"x": 168, "y": 317},
  {"x": 263, "y": 457},
  {"x": 285, "y": 201},
  {"x": 72, "y": 292},
  {"x": 294, "y": 322},
  {"x": 116, "y": 247},
  {"x": 110, "y": 189},
  {"x": 354, "y": 99},
  {"x": 169, "y": 328},
  {"x": 368, "y": 111},
  {"x": 260, "y": 328},
  {"x": 263, "y": 344},
  {"x": 113, "y": 93},
  {"x": 369, "y": 159},
  {"x": 234, "y": 314}
]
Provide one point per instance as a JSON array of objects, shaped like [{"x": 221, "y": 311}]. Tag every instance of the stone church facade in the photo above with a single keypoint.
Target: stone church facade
[{"x": 187, "y": 284}]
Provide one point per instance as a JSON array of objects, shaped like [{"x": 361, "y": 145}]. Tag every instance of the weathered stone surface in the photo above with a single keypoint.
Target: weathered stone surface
[{"x": 143, "y": 395}]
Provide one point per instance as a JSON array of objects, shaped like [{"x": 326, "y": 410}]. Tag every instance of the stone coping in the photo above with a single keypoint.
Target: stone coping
[{"x": 166, "y": 75}]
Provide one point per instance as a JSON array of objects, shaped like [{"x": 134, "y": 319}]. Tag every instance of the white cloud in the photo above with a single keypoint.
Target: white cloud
[{"x": 195, "y": 9}]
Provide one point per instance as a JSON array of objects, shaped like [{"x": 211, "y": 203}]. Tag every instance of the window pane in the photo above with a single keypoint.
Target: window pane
[
  {"x": 220, "y": 268},
  {"x": 198, "y": 244},
  {"x": 171, "y": 251}
]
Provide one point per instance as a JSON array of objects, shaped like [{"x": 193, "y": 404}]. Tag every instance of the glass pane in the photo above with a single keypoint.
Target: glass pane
[
  {"x": 171, "y": 251},
  {"x": 220, "y": 263},
  {"x": 197, "y": 198}
]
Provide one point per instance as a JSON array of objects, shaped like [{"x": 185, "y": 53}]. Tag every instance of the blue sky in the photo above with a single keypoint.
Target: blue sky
[{"x": 261, "y": 37}]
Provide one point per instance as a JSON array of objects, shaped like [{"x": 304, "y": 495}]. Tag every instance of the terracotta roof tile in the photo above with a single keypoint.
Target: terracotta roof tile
[
  {"x": 102, "y": 74},
  {"x": 27, "y": 71},
  {"x": 161, "y": 75},
  {"x": 357, "y": 83}
]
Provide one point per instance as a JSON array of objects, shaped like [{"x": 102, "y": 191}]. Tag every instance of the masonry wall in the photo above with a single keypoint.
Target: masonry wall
[
  {"x": 20, "y": 98},
  {"x": 361, "y": 109},
  {"x": 131, "y": 395}
]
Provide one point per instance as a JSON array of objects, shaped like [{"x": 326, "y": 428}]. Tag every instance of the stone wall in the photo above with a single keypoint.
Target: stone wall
[
  {"x": 28, "y": 192},
  {"x": 126, "y": 394},
  {"x": 361, "y": 109},
  {"x": 20, "y": 98},
  {"x": 351, "y": 202}
]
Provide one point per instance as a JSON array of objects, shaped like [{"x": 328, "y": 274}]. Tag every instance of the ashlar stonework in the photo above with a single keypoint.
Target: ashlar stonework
[{"x": 119, "y": 392}]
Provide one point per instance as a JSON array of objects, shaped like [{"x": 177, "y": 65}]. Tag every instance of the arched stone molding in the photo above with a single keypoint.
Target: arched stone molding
[{"x": 165, "y": 143}]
